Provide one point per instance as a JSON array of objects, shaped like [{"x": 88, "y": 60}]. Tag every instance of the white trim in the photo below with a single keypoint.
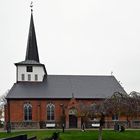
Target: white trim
[
  {"x": 50, "y": 124},
  {"x": 95, "y": 125}
]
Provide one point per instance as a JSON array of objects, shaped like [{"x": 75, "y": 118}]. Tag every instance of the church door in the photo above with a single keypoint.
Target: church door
[
  {"x": 73, "y": 118},
  {"x": 72, "y": 121}
]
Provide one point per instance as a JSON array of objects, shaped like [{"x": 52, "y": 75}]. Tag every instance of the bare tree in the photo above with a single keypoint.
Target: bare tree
[
  {"x": 132, "y": 107},
  {"x": 3, "y": 101},
  {"x": 110, "y": 106},
  {"x": 84, "y": 111},
  {"x": 134, "y": 101},
  {"x": 119, "y": 104},
  {"x": 1, "y": 113},
  {"x": 114, "y": 105},
  {"x": 98, "y": 111},
  {"x": 2, "y": 104}
]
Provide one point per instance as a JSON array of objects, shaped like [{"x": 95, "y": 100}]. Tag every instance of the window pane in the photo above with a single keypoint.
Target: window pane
[
  {"x": 50, "y": 112},
  {"x": 48, "y": 117},
  {"x": 36, "y": 77},
  {"x": 30, "y": 113},
  {"x": 29, "y": 77},
  {"x": 115, "y": 117},
  {"x": 22, "y": 77},
  {"x": 52, "y": 116},
  {"x": 29, "y": 69},
  {"x": 27, "y": 112}
]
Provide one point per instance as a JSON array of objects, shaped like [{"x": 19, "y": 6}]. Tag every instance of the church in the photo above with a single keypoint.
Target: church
[{"x": 40, "y": 100}]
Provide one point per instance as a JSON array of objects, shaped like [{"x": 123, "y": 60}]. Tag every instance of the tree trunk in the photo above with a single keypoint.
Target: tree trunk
[{"x": 100, "y": 133}]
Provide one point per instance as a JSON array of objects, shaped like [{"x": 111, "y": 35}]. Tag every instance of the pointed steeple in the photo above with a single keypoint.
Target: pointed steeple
[
  {"x": 31, "y": 70},
  {"x": 32, "y": 50}
]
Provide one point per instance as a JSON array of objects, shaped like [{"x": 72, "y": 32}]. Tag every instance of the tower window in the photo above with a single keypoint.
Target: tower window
[
  {"x": 22, "y": 77},
  {"x": 29, "y": 77},
  {"x": 29, "y": 69},
  {"x": 36, "y": 77}
]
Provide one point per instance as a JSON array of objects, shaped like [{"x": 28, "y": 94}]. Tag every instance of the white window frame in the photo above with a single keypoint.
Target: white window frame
[
  {"x": 23, "y": 77},
  {"x": 51, "y": 111},
  {"x": 29, "y": 77},
  {"x": 36, "y": 77},
  {"x": 28, "y": 105}
]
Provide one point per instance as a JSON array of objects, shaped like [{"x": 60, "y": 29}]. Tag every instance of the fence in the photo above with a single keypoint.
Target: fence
[
  {"x": 89, "y": 124},
  {"x": 111, "y": 124},
  {"x": 22, "y": 125}
]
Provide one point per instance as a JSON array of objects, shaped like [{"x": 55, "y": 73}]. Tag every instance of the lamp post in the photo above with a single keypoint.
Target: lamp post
[{"x": 63, "y": 117}]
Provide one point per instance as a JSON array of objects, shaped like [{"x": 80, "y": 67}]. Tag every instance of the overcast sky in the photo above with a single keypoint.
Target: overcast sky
[{"x": 75, "y": 37}]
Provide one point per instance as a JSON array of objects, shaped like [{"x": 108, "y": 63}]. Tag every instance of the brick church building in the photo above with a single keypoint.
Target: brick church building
[{"x": 39, "y": 100}]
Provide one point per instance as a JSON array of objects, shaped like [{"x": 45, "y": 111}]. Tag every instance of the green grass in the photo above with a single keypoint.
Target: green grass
[{"x": 78, "y": 135}]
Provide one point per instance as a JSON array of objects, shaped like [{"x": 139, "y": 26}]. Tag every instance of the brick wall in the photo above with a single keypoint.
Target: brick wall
[{"x": 39, "y": 109}]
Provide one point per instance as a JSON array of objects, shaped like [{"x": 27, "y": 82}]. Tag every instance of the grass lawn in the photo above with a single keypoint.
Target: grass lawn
[{"x": 78, "y": 135}]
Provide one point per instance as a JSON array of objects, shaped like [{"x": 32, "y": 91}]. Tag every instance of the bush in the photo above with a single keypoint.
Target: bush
[{"x": 122, "y": 128}]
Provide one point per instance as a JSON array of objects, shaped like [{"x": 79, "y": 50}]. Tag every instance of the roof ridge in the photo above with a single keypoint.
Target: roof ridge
[{"x": 80, "y": 75}]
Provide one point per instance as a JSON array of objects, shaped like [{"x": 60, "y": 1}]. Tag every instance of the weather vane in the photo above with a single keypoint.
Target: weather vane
[{"x": 31, "y": 5}]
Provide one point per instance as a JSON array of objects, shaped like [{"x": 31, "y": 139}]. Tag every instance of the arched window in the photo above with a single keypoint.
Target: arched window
[
  {"x": 115, "y": 117},
  {"x": 27, "y": 112},
  {"x": 50, "y": 112}
]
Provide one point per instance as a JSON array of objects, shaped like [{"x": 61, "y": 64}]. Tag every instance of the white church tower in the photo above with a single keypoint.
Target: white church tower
[{"x": 31, "y": 70}]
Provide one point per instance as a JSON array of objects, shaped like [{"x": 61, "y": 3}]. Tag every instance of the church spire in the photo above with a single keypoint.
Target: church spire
[
  {"x": 31, "y": 70},
  {"x": 32, "y": 50}
]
